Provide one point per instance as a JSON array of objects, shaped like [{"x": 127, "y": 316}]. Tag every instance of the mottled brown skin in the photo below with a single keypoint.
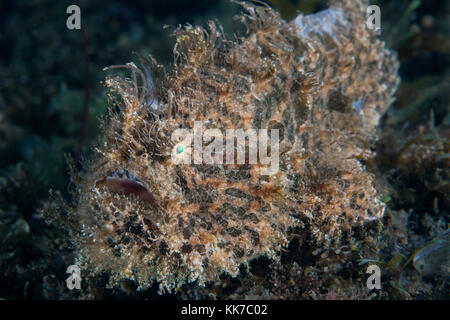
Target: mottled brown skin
[{"x": 324, "y": 90}]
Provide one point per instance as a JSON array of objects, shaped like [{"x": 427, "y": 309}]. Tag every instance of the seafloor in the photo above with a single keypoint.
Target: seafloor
[{"x": 43, "y": 87}]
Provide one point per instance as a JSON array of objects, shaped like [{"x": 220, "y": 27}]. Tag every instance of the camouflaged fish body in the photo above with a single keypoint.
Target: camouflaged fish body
[{"x": 322, "y": 80}]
